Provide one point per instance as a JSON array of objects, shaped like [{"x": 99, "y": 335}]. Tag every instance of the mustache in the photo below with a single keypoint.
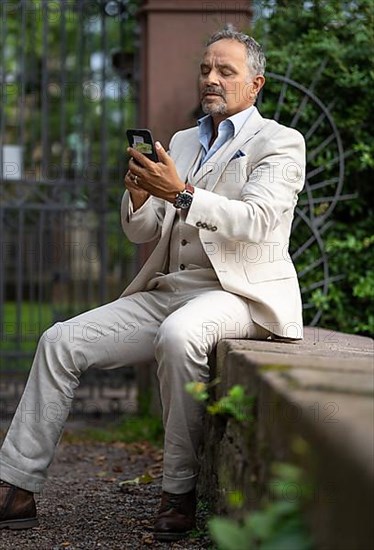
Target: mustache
[{"x": 213, "y": 90}]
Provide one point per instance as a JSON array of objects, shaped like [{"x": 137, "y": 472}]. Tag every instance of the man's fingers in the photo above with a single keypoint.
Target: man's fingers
[
  {"x": 136, "y": 169},
  {"x": 139, "y": 157},
  {"x": 129, "y": 183},
  {"x": 161, "y": 153}
]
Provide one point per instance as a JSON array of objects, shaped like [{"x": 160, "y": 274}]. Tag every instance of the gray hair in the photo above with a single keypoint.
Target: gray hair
[{"x": 255, "y": 54}]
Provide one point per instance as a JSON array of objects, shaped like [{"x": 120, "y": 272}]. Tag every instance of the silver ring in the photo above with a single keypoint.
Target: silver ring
[{"x": 135, "y": 179}]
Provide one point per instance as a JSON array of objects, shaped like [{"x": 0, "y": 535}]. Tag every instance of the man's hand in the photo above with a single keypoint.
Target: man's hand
[
  {"x": 138, "y": 195},
  {"x": 159, "y": 179}
]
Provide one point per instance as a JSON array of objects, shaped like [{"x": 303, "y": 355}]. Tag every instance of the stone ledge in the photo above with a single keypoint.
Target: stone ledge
[{"x": 318, "y": 391}]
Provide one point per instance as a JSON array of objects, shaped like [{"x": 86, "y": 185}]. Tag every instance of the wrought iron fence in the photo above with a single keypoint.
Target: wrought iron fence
[{"x": 67, "y": 95}]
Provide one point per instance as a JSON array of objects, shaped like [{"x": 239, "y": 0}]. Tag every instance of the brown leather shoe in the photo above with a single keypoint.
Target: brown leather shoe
[
  {"x": 176, "y": 516},
  {"x": 17, "y": 507}
]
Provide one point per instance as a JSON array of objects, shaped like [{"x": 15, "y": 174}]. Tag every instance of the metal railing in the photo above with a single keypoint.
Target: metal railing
[{"x": 66, "y": 98}]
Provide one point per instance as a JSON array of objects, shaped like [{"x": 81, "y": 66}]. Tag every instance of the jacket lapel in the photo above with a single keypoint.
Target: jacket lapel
[
  {"x": 187, "y": 158},
  {"x": 184, "y": 160},
  {"x": 212, "y": 170}
]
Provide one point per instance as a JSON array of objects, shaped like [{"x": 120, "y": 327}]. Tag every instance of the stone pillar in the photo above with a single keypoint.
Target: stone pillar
[
  {"x": 173, "y": 34},
  {"x": 172, "y": 37}
]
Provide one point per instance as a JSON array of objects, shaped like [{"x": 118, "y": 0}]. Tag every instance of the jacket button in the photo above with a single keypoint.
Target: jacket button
[
  {"x": 198, "y": 224},
  {"x": 182, "y": 267},
  {"x": 214, "y": 228},
  {"x": 184, "y": 242}
]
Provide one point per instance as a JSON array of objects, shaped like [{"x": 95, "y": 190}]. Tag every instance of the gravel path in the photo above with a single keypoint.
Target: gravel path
[{"x": 82, "y": 506}]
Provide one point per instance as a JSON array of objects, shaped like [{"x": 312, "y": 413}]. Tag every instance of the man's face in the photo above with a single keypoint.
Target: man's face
[{"x": 226, "y": 84}]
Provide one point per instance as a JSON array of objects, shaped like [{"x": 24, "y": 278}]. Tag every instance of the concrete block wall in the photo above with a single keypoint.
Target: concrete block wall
[{"x": 313, "y": 406}]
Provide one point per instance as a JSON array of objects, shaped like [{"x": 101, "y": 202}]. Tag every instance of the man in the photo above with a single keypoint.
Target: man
[{"x": 221, "y": 206}]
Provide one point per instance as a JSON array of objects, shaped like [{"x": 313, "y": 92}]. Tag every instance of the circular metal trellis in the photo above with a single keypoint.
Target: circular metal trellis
[{"x": 299, "y": 107}]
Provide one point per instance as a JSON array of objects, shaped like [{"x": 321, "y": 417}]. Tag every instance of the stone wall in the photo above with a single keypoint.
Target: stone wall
[{"x": 313, "y": 407}]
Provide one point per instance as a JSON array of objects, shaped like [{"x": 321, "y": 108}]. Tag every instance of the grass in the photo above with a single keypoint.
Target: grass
[
  {"x": 131, "y": 429},
  {"x": 22, "y": 327},
  {"x": 31, "y": 313}
]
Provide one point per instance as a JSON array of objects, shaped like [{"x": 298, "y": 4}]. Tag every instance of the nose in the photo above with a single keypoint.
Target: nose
[{"x": 211, "y": 78}]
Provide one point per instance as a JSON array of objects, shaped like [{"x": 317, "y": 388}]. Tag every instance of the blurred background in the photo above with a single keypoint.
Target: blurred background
[{"x": 75, "y": 74}]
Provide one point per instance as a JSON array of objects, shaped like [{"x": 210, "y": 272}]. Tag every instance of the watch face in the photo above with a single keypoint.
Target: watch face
[{"x": 183, "y": 200}]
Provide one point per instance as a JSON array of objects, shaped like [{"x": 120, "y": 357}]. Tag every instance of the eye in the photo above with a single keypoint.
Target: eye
[
  {"x": 205, "y": 70},
  {"x": 226, "y": 72}
]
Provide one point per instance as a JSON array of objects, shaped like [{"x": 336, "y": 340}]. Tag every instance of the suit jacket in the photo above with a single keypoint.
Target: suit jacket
[{"x": 243, "y": 205}]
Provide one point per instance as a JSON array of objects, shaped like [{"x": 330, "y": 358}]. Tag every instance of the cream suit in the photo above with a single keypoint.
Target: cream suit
[
  {"x": 244, "y": 215},
  {"x": 241, "y": 214}
]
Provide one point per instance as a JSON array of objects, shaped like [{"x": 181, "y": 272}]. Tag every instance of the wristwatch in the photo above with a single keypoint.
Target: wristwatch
[{"x": 183, "y": 199}]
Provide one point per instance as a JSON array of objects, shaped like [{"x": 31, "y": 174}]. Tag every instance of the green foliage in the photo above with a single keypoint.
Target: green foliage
[
  {"x": 278, "y": 525},
  {"x": 130, "y": 429},
  {"x": 349, "y": 303},
  {"x": 21, "y": 329},
  {"x": 235, "y": 404},
  {"x": 198, "y": 390},
  {"x": 235, "y": 499},
  {"x": 339, "y": 33}
]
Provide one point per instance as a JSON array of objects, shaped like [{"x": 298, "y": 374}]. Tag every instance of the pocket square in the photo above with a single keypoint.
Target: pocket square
[{"x": 238, "y": 154}]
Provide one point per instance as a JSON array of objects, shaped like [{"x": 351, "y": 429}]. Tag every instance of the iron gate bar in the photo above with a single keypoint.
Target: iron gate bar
[
  {"x": 104, "y": 173},
  {"x": 36, "y": 209}
]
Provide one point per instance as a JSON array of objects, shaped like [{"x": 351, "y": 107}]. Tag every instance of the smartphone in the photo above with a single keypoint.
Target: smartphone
[{"x": 142, "y": 141}]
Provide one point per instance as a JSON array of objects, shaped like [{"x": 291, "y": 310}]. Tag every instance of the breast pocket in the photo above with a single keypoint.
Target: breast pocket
[{"x": 233, "y": 178}]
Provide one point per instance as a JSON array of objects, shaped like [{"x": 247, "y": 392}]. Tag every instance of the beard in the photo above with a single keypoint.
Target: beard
[{"x": 215, "y": 108}]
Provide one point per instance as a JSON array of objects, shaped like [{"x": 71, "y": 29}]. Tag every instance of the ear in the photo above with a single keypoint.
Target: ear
[
  {"x": 255, "y": 83},
  {"x": 258, "y": 82}
]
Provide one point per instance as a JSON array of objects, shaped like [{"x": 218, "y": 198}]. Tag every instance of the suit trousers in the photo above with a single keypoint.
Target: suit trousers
[{"x": 178, "y": 320}]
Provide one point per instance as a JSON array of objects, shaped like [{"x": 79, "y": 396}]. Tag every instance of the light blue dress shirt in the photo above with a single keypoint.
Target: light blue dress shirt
[{"x": 227, "y": 129}]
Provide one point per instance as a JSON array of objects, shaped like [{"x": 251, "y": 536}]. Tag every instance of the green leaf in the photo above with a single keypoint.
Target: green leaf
[
  {"x": 236, "y": 392},
  {"x": 228, "y": 535},
  {"x": 290, "y": 541},
  {"x": 287, "y": 472},
  {"x": 144, "y": 479},
  {"x": 197, "y": 390},
  {"x": 235, "y": 499},
  {"x": 260, "y": 523}
]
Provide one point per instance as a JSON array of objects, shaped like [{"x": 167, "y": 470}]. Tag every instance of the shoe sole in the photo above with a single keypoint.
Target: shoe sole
[{"x": 19, "y": 523}]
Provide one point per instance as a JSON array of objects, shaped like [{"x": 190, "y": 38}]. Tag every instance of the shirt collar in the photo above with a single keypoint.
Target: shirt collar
[{"x": 234, "y": 122}]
